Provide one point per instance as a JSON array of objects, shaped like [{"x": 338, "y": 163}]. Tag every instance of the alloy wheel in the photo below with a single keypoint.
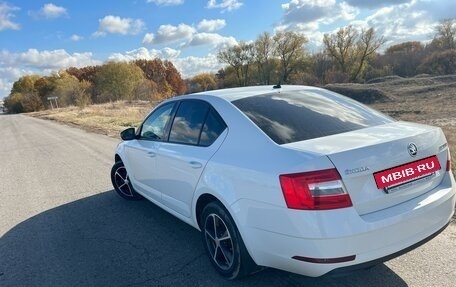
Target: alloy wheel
[
  {"x": 219, "y": 241},
  {"x": 122, "y": 181}
]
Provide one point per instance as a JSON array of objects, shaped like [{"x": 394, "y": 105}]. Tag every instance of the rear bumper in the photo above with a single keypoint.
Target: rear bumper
[
  {"x": 348, "y": 269},
  {"x": 274, "y": 235}
]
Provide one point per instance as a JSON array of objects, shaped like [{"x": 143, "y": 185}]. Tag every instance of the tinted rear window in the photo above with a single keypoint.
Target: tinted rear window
[{"x": 301, "y": 115}]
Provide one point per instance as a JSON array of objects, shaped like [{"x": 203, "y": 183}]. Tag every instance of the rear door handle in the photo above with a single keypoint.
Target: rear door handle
[
  {"x": 151, "y": 154},
  {"x": 195, "y": 164}
]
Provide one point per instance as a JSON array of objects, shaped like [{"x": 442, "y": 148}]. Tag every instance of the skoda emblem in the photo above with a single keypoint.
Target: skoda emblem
[{"x": 412, "y": 149}]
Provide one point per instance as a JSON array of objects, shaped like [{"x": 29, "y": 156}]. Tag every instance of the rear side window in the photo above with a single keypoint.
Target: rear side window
[
  {"x": 301, "y": 115},
  {"x": 212, "y": 128}
]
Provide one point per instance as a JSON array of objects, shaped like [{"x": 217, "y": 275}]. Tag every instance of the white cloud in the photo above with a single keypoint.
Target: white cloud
[
  {"x": 148, "y": 39},
  {"x": 402, "y": 23},
  {"x": 311, "y": 31},
  {"x": 8, "y": 75},
  {"x": 324, "y": 11},
  {"x": 185, "y": 35},
  {"x": 169, "y": 34},
  {"x": 143, "y": 53},
  {"x": 212, "y": 39},
  {"x": 6, "y": 13},
  {"x": 191, "y": 66},
  {"x": 76, "y": 38},
  {"x": 46, "y": 59},
  {"x": 50, "y": 10},
  {"x": 15, "y": 65},
  {"x": 211, "y": 25},
  {"x": 375, "y": 4},
  {"x": 348, "y": 12},
  {"x": 187, "y": 66},
  {"x": 225, "y": 5},
  {"x": 5, "y": 88},
  {"x": 116, "y": 25},
  {"x": 166, "y": 2}
]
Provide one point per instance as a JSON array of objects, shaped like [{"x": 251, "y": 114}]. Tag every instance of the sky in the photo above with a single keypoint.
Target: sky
[{"x": 41, "y": 37}]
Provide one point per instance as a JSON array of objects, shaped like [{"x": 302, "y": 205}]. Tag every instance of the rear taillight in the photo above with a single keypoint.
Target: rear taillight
[
  {"x": 316, "y": 190},
  {"x": 448, "y": 167}
]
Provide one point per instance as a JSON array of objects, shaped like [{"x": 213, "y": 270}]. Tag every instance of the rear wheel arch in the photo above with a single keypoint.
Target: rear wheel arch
[
  {"x": 117, "y": 158},
  {"x": 201, "y": 203}
]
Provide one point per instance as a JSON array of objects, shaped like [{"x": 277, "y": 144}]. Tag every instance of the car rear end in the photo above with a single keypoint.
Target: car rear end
[{"x": 380, "y": 187}]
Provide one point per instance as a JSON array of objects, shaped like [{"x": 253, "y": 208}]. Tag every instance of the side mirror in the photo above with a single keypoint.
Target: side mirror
[{"x": 128, "y": 134}]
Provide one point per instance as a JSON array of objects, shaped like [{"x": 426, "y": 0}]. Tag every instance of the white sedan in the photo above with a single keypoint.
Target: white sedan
[{"x": 296, "y": 178}]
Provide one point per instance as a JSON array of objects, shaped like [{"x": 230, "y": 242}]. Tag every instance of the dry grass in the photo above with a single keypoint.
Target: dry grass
[{"x": 108, "y": 119}]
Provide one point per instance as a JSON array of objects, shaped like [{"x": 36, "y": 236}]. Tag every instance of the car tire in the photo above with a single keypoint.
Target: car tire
[
  {"x": 121, "y": 182},
  {"x": 223, "y": 243}
]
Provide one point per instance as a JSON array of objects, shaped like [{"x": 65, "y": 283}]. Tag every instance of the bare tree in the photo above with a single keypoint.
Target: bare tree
[
  {"x": 290, "y": 48},
  {"x": 264, "y": 52},
  {"x": 403, "y": 58},
  {"x": 341, "y": 47},
  {"x": 366, "y": 47},
  {"x": 352, "y": 50},
  {"x": 240, "y": 57},
  {"x": 446, "y": 34}
]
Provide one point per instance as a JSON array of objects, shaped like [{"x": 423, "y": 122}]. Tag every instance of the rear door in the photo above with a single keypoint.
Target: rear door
[{"x": 196, "y": 133}]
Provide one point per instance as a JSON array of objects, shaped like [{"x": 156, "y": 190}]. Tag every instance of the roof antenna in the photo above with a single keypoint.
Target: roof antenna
[{"x": 278, "y": 86}]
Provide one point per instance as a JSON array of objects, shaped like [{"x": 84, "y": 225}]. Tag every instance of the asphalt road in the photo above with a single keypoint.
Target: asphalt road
[{"x": 61, "y": 224}]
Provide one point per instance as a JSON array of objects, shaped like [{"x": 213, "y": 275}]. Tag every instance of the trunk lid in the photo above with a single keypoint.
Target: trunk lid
[{"x": 358, "y": 155}]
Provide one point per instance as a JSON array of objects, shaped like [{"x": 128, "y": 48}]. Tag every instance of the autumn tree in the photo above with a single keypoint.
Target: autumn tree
[
  {"x": 352, "y": 50},
  {"x": 25, "y": 84},
  {"x": 13, "y": 103},
  {"x": 86, "y": 73},
  {"x": 166, "y": 81},
  {"x": 64, "y": 85},
  {"x": 82, "y": 94},
  {"x": 290, "y": 48},
  {"x": 69, "y": 90},
  {"x": 24, "y": 95},
  {"x": 174, "y": 79},
  {"x": 117, "y": 81},
  {"x": 202, "y": 82},
  {"x": 44, "y": 87}
]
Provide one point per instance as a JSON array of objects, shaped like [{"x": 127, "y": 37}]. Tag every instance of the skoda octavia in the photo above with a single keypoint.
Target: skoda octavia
[{"x": 296, "y": 178}]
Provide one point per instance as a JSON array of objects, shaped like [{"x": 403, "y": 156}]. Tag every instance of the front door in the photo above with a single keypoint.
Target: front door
[{"x": 142, "y": 152}]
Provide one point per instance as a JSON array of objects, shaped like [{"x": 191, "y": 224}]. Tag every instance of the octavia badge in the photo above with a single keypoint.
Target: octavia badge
[{"x": 412, "y": 149}]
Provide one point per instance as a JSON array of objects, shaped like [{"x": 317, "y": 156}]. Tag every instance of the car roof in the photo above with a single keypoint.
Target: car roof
[{"x": 233, "y": 94}]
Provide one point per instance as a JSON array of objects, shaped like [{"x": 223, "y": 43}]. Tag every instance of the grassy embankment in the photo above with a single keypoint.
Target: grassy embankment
[
  {"x": 108, "y": 119},
  {"x": 423, "y": 99}
]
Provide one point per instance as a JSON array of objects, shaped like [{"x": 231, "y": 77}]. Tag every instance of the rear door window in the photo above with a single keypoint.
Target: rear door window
[{"x": 196, "y": 123}]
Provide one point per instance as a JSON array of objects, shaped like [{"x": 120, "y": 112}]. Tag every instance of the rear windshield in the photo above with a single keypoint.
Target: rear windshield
[{"x": 301, "y": 115}]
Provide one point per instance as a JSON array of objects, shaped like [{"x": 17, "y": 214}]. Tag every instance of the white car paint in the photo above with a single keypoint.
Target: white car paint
[{"x": 242, "y": 168}]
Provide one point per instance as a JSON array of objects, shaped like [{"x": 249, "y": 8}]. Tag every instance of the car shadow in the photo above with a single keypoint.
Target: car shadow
[{"x": 104, "y": 240}]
